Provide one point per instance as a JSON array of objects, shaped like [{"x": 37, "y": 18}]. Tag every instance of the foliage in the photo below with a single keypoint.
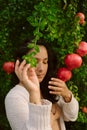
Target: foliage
[
  {"x": 53, "y": 20},
  {"x": 30, "y": 59}
]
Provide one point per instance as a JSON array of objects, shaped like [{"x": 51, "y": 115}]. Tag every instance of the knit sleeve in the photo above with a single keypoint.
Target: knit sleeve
[
  {"x": 23, "y": 115},
  {"x": 70, "y": 109}
]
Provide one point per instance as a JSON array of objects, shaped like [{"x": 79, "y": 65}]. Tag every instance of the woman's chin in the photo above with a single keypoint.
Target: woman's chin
[{"x": 40, "y": 79}]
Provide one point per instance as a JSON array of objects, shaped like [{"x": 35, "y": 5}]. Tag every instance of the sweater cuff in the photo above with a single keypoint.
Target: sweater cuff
[
  {"x": 39, "y": 115},
  {"x": 73, "y": 100},
  {"x": 72, "y": 106}
]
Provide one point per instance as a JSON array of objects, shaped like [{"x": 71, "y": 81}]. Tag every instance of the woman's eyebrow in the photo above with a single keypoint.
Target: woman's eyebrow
[{"x": 40, "y": 58}]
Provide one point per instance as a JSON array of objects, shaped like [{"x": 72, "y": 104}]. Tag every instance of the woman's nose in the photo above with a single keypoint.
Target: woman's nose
[{"x": 40, "y": 66}]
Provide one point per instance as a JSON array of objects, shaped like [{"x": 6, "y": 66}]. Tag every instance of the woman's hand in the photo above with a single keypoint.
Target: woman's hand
[
  {"x": 28, "y": 78},
  {"x": 58, "y": 87}
]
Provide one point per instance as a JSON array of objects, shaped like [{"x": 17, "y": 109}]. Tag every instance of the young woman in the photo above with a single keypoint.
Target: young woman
[{"x": 39, "y": 100}]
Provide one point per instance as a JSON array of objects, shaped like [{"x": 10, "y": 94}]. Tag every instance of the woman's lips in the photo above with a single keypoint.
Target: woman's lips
[{"x": 40, "y": 76}]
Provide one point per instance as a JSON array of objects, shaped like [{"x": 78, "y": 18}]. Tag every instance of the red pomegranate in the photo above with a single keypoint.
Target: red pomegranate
[
  {"x": 84, "y": 109},
  {"x": 8, "y": 67},
  {"x": 81, "y": 16},
  {"x": 82, "y": 49},
  {"x": 64, "y": 74},
  {"x": 73, "y": 61}
]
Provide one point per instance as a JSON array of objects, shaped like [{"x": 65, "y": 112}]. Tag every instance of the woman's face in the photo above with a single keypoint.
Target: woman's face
[{"x": 42, "y": 63}]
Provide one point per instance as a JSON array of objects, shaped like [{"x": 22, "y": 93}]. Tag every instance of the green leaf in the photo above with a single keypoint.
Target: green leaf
[
  {"x": 30, "y": 60},
  {"x": 37, "y": 48},
  {"x": 51, "y": 18},
  {"x": 32, "y": 45}
]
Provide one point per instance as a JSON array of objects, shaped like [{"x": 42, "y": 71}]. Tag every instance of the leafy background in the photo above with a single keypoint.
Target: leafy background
[{"x": 55, "y": 21}]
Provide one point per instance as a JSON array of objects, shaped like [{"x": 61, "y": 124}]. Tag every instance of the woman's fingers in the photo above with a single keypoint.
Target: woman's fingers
[
  {"x": 21, "y": 68},
  {"x": 55, "y": 93},
  {"x": 55, "y": 90},
  {"x": 17, "y": 65},
  {"x": 56, "y": 80},
  {"x": 27, "y": 76},
  {"x": 57, "y": 86},
  {"x": 25, "y": 70},
  {"x": 54, "y": 83},
  {"x": 23, "y": 63}
]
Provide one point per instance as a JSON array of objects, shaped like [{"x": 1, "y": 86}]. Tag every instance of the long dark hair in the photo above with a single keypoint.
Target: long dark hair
[{"x": 52, "y": 67}]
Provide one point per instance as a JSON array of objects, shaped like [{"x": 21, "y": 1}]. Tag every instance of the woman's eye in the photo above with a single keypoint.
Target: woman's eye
[{"x": 45, "y": 62}]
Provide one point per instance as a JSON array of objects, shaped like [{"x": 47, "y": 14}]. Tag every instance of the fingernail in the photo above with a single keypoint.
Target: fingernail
[
  {"x": 17, "y": 60},
  {"x": 49, "y": 86},
  {"x": 49, "y": 82}
]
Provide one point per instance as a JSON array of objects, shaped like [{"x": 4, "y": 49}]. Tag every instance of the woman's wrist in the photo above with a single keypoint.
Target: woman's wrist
[
  {"x": 68, "y": 97},
  {"x": 35, "y": 98}
]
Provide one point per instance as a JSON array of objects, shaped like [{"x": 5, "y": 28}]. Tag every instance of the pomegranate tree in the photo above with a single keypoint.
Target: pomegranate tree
[
  {"x": 64, "y": 74},
  {"x": 73, "y": 61},
  {"x": 8, "y": 67},
  {"x": 82, "y": 48}
]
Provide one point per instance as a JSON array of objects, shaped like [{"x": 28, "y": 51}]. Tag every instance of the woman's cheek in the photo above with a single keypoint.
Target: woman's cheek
[{"x": 46, "y": 68}]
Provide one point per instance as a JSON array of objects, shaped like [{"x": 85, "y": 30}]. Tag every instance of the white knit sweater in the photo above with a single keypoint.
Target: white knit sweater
[{"x": 23, "y": 115}]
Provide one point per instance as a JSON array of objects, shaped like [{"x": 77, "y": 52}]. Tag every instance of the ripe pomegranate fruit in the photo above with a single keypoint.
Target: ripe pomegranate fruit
[
  {"x": 84, "y": 109},
  {"x": 64, "y": 74},
  {"x": 73, "y": 61},
  {"x": 81, "y": 16},
  {"x": 8, "y": 67},
  {"x": 82, "y": 48}
]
